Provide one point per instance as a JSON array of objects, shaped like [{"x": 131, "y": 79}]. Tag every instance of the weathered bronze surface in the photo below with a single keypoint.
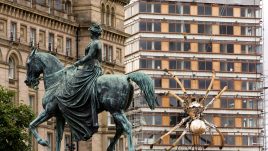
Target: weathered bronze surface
[{"x": 77, "y": 95}]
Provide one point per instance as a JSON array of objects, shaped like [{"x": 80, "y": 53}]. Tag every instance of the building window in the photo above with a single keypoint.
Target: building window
[
  {"x": 51, "y": 45},
  {"x": 226, "y": 30},
  {"x": 102, "y": 14},
  {"x": 145, "y": 7},
  {"x": 229, "y": 140},
  {"x": 247, "y": 12},
  {"x": 13, "y": 31},
  {"x": 68, "y": 7},
  {"x": 226, "y": 11},
  {"x": 174, "y": 27},
  {"x": 11, "y": 68},
  {"x": 179, "y": 65},
  {"x": 229, "y": 83},
  {"x": 119, "y": 55},
  {"x": 33, "y": 36},
  {"x": 249, "y": 104},
  {"x": 157, "y": 8},
  {"x": 227, "y": 48},
  {"x": 67, "y": 142},
  {"x": 32, "y": 102},
  {"x": 157, "y": 82},
  {"x": 150, "y": 64},
  {"x": 203, "y": 83},
  {"x": 108, "y": 13},
  {"x": 226, "y": 66},
  {"x": 249, "y": 86},
  {"x": 204, "y": 9},
  {"x": 248, "y": 31},
  {"x": 108, "y": 53},
  {"x": 174, "y": 102},
  {"x": 227, "y": 103},
  {"x": 205, "y": 65},
  {"x": 68, "y": 47},
  {"x": 113, "y": 21},
  {"x": 186, "y": 9},
  {"x": 204, "y": 29},
  {"x": 227, "y": 121},
  {"x": 179, "y": 46},
  {"x": 249, "y": 67},
  {"x": 150, "y": 26},
  {"x": 204, "y": 47},
  {"x": 150, "y": 45}
]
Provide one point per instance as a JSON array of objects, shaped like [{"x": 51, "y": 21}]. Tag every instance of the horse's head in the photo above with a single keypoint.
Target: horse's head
[{"x": 34, "y": 69}]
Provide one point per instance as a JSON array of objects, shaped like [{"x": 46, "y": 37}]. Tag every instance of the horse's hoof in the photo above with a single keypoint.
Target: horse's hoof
[
  {"x": 151, "y": 146},
  {"x": 221, "y": 147},
  {"x": 43, "y": 143}
]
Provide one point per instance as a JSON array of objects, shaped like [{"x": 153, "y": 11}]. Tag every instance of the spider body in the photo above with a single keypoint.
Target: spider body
[{"x": 194, "y": 107}]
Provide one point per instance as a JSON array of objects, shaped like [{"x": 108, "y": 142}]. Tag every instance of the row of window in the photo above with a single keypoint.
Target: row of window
[
  {"x": 108, "y": 15},
  {"x": 203, "y": 65},
  {"x": 59, "y": 5},
  {"x": 41, "y": 42},
  {"x": 244, "y": 140},
  {"x": 202, "y": 84},
  {"x": 243, "y": 121},
  {"x": 224, "y": 103},
  {"x": 202, "y": 9},
  {"x": 202, "y": 28},
  {"x": 201, "y": 47}
]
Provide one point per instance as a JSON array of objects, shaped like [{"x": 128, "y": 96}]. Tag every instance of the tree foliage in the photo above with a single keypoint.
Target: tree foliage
[{"x": 14, "y": 122}]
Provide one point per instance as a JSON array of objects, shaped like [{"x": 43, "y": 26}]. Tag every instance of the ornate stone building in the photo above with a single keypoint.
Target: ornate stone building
[{"x": 59, "y": 27}]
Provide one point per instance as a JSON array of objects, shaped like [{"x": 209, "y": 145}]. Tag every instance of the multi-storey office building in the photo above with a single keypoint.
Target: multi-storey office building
[
  {"x": 191, "y": 39},
  {"x": 59, "y": 27}
]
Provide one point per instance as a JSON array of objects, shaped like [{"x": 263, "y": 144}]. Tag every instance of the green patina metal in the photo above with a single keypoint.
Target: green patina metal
[{"x": 77, "y": 94}]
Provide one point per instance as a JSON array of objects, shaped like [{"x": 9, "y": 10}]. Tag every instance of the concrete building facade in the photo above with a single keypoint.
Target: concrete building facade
[
  {"x": 192, "y": 38},
  {"x": 59, "y": 27}
]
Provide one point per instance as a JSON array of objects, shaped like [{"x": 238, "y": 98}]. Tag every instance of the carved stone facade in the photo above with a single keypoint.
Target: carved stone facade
[{"x": 59, "y": 27}]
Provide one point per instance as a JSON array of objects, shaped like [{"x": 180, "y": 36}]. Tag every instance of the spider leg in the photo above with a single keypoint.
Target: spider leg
[
  {"x": 173, "y": 129},
  {"x": 221, "y": 135},
  {"x": 216, "y": 97},
  {"x": 177, "y": 80},
  {"x": 177, "y": 141},
  {"x": 209, "y": 87}
]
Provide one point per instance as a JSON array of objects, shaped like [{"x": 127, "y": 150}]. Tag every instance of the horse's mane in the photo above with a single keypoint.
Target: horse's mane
[{"x": 48, "y": 58}]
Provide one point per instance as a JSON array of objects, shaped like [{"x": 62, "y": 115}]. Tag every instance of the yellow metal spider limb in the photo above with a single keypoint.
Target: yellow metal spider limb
[
  {"x": 216, "y": 97},
  {"x": 176, "y": 79},
  {"x": 169, "y": 132},
  {"x": 176, "y": 96},
  {"x": 209, "y": 87},
  {"x": 215, "y": 127},
  {"x": 177, "y": 141}
]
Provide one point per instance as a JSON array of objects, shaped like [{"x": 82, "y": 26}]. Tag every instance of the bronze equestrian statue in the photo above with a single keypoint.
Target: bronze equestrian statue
[{"x": 77, "y": 94}]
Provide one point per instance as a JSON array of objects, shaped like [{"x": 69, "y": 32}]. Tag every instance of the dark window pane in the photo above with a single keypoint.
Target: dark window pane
[
  {"x": 157, "y": 8},
  {"x": 149, "y": 26},
  {"x": 208, "y": 10},
  {"x": 142, "y": 7},
  {"x": 201, "y": 65},
  {"x": 157, "y": 64},
  {"x": 157, "y": 83},
  {"x": 142, "y": 63},
  {"x": 187, "y": 46},
  {"x": 149, "y": 45},
  {"x": 186, "y": 28},
  {"x": 201, "y": 28},
  {"x": 187, "y": 65},
  {"x": 186, "y": 9},
  {"x": 172, "y": 83},
  {"x": 187, "y": 83},
  {"x": 149, "y": 7},
  {"x": 200, "y": 10},
  {"x": 172, "y": 64},
  {"x": 157, "y": 45},
  {"x": 172, "y": 46},
  {"x": 172, "y": 27},
  {"x": 171, "y": 8},
  {"x": 143, "y": 45},
  {"x": 157, "y": 27},
  {"x": 142, "y": 26}
]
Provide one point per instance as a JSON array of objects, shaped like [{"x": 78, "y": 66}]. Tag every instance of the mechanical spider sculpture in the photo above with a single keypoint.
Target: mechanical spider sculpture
[{"x": 194, "y": 108}]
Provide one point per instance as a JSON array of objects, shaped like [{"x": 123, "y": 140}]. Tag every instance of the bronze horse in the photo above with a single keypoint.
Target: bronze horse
[{"x": 114, "y": 93}]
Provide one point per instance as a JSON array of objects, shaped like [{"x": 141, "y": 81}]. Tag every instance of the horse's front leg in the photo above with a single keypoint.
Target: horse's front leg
[{"x": 42, "y": 117}]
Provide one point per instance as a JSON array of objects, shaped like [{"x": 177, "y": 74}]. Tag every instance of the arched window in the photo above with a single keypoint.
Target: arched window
[
  {"x": 11, "y": 68},
  {"x": 108, "y": 15},
  {"x": 68, "y": 8},
  {"x": 113, "y": 18},
  {"x": 102, "y": 13}
]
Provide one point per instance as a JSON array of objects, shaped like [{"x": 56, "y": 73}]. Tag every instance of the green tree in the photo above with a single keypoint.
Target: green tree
[{"x": 14, "y": 123}]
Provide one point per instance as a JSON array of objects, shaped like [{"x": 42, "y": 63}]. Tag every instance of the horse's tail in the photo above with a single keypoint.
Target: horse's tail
[{"x": 146, "y": 85}]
